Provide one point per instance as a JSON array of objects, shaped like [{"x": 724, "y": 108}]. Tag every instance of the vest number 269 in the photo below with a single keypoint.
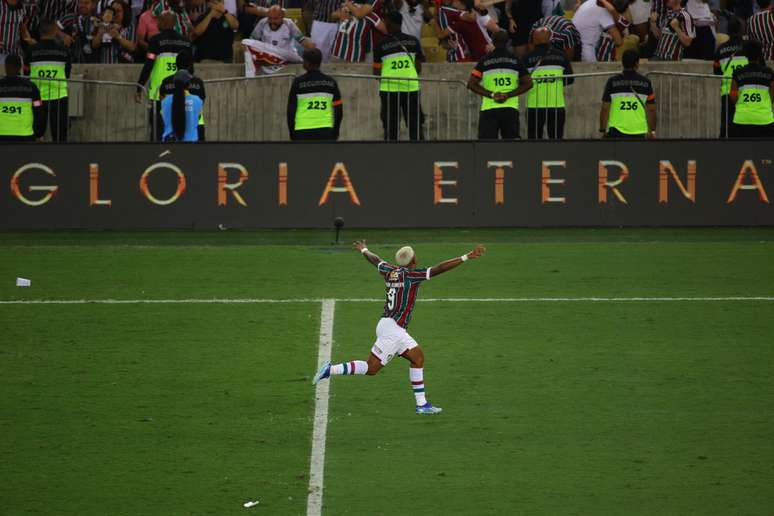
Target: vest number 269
[{"x": 751, "y": 97}]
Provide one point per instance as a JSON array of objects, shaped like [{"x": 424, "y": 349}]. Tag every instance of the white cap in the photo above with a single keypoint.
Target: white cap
[{"x": 404, "y": 256}]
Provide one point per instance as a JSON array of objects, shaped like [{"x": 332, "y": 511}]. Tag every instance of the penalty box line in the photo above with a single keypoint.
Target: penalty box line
[{"x": 639, "y": 299}]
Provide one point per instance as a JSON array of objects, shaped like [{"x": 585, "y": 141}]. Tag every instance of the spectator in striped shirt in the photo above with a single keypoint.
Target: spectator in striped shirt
[
  {"x": 113, "y": 39},
  {"x": 658, "y": 13},
  {"x": 354, "y": 39},
  {"x": 564, "y": 35},
  {"x": 677, "y": 33},
  {"x": 13, "y": 28},
  {"x": 761, "y": 28},
  {"x": 324, "y": 26},
  {"x": 453, "y": 42},
  {"x": 56, "y": 9},
  {"x": 77, "y": 29},
  {"x": 183, "y": 25}
]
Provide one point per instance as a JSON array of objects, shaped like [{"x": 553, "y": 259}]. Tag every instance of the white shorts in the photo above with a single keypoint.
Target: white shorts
[
  {"x": 324, "y": 34},
  {"x": 391, "y": 340},
  {"x": 640, "y": 11}
]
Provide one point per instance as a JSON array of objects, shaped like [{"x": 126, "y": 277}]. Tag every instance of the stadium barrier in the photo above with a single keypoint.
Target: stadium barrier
[
  {"x": 691, "y": 97},
  {"x": 443, "y": 184}
]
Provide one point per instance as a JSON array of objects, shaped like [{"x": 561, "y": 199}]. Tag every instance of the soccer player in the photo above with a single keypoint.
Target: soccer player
[{"x": 402, "y": 282}]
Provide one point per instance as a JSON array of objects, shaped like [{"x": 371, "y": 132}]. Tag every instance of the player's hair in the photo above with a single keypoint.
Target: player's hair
[
  {"x": 734, "y": 26},
  {"x": 313, "y": 56},
  {"x": 753, "y": 50},
  {"x": 630, "y": 59},
  {"x": 404, "y": 256}
]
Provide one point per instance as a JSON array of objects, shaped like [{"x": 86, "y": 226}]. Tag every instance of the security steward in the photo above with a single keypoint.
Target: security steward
[
  {"x": 728, "y": 58},
  {"x": 545, "y": 101},
  {"x": 49, "y": 62},
  {"x": 499, "y": 77},
  {"x": 184, "y": 61},
  {"x": 314, "y": 102},
  {"x": 399, "y": 55},
  {"x": 752, "y": 88},
  {"x": 21, "y": 109},
  {"x": 160, "y": 63},
  {"x": 629, "y": 103}
]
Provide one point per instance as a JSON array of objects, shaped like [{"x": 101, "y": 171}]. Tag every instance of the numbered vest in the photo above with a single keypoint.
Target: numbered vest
[
  {"x": 729, "y": 66},
  {"x": 163, "y": 67},
  {"x": 500, "y": 80},
  {"x": 44, "y": 75},
  {"x": 547, "y": 91},
  {"x": 753, "y": 106},
  {"x": 16, "y": 117},
  {"x": 314, "y": 111},
  {"x": 627, "y": 113},
  {"x": 398, "y": 65}
]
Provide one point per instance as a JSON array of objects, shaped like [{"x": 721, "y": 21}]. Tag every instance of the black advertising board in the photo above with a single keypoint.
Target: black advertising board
[{"x": 455, "y": 184}]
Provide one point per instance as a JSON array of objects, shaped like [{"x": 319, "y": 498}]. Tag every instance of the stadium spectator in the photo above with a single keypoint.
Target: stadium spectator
[
  {"x": 56, "y": 9},
  {"x": 752, "y": 88},
  {"x": 147, "y": 27},
  {"x": 703, "y": 45},
  {"x": 606, "y": 48},
  {"x": 658, "y": 14},
  {"x": 213, "y": 33},
  {"x": 448, "y": 38},
  {"x": 161, "y": 63},
  {"x": 113, "y": 39},
  {"x": 728, "y": 59},
  {"x": 522, "y": 15},
  {"x": 13, "y": 28},
  {"x": 761, "y": 28},
  {"x": 278, "y": 31},
  {"x": 399, "y": 55},
  {"x": 252, "y": 11},
  {"x": 354, "y": 36},
  {"x": 324, "y": 26},
  {"x": 676, "y": 34},
  {"x": 181, "y": 111},
  {"x": 21, "y": 118},
  {"x": 640, "y": 15},
  {"x": 184, "y": 61},
  {"x": 49, "y": 66},
  {"x": 592, "y": 19},
  {"x": 545, "y": 101},
  {"x": 564, "y": 35},
  {"x": 415, "y": 14},
  {"x": 499, "y": 77},
  {"x": 469, "y": 27},
  {"x": 314, "y": 103},
  {"x": 628, "y": 103},
  {"x": 182, "y": 22},
  {"x": 77, "y": 31}
]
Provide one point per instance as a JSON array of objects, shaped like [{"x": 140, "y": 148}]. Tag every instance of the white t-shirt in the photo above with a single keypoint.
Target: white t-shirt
[
  {"x": 591, "y": 21},
  {"x": 700, "y": 12},
  {"x": 283, "y": 37},
  {"x": 412, "y": 23}
]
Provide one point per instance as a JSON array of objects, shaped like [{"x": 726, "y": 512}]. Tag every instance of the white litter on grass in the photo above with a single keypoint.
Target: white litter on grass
[
  {"x": 22, "y": 282},
  {"x": 247, "y": 505}
]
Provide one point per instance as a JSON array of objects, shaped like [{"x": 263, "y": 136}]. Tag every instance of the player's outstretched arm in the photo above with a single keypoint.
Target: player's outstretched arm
[
  {"x": 360, "y": 246},
  {"x": 455, "y": 262}
]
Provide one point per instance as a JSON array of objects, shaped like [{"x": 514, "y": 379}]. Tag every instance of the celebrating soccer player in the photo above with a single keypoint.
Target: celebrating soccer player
[{"x": 402, "y": 282}]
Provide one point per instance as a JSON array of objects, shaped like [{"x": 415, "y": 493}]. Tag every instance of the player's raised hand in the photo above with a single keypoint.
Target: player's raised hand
[
  {"x": 359, "y": 245},
  {"x": 477, "y": 252}
]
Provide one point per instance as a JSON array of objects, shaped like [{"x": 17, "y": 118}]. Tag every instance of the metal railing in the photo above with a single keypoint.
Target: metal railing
[{"x": 688, "y": 105}]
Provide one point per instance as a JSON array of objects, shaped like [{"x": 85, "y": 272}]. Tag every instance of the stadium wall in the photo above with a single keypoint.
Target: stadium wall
[
  {"x": 234, "y": 108},
  {"x": 462, "y": 184}
]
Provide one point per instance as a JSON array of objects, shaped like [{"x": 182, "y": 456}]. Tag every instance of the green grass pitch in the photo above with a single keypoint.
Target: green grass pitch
[{"x": 629, "y": 407}]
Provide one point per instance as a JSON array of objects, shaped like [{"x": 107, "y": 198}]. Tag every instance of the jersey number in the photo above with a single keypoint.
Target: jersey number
[
  {"x": 400, "y": 65},
  {"x": 317, "y": 104},
  {"x": 545, "y": 81},
  {"x": 11, "y": 110},
  {"x": 629, "y": 105},
  {"x": 751, "y": 97},
  {"x": 48, "y": 74},
  {"x": 391, "y": 298},
  {"x": 171, "y": 67},
  {"x": 502, "y": 81}
]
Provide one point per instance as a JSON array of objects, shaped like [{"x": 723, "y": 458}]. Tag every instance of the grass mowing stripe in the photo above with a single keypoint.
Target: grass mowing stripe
[
  {"x": 374, "y": 300},
  {"x": 317, "y": 461}
]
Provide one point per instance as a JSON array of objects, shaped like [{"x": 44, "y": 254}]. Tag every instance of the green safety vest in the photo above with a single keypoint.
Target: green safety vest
[
  {"x": 627, "y": 113},
  {"x": 729, "y": 66},
  {"x": 547, "y": 91},
  {"x": 16, "y": 116},
  {"x": 42, "y": 71},
  {"x": 500, "y": 80},
  {"x": 314, "y": 111},
  {"x": 400, "y": 64},
  {"x": 164, "y": 66},
  {"x": 753, "y": 106}
]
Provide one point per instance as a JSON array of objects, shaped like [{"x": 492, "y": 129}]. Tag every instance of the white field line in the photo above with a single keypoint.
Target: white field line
[
  {"x": 317, "y": 461},
  {"x": 642, "y": 299}
]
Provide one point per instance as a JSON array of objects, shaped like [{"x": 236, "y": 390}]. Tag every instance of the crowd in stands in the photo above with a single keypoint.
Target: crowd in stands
[{"x": 119, "y": 31}]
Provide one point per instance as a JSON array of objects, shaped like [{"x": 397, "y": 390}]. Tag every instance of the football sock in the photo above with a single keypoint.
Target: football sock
[
  {"x": 418, "y": 384},
  {"x": 354, "y": 367}
]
